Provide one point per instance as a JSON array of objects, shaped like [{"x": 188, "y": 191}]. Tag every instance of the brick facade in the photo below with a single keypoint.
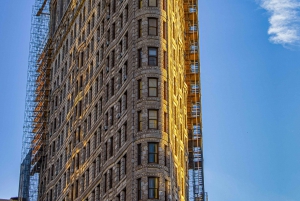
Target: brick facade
[{"x": 93, "y": 125}]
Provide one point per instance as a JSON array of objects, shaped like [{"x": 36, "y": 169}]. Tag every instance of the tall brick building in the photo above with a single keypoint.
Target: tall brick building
[{"x": 116, "y": 108}]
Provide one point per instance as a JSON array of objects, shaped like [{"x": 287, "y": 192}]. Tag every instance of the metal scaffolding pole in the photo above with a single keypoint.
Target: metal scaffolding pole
[{"x": 36, "y": 105}]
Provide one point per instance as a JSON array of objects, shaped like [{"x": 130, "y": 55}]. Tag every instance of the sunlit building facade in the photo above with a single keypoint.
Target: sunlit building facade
[{"x": 121, "y": 117}]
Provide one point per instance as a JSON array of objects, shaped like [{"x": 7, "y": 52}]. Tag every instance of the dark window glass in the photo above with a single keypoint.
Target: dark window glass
[
  {"x": 140, "y": 123},
  {"x": 139, "y": 183},
  {"x": 140, "y": 28},
  {"x": 152, "y": 26},
  {"x": 153, "y": 188},
  {"x": 139, "y": 58},
  {"x": 153, "y": 152},
  {"x": 139, "y": 150},
  {"x": 152, "y": 56}
]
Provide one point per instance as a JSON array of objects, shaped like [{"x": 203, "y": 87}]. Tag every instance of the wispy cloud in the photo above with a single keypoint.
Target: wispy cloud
[{"x": 284, "y": 21}]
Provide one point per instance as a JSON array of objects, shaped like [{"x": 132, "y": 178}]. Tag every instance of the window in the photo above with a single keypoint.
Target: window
[
  {"x": 152, "y": 26},
  {"x": 105, "y": 182},
  {"x": 153, "y": 188},
  {"x": 140, "y": 4},
  {"x": 139, "y": 183},
  {"x": 166, "y": 190},
  {"x": 196, "y": 131},
  {"x": 165, "y": 90},
  {"x": 194, "y": 67},
  {"x": 166, "y": 154},
  {"x": 121, "y": 20},
  {"x": 152, "y": 119},
  {"x": 140, "y": 54},
  {"x": 113, "y": 31},
  {"x": 152, "y": 56},
  {"x": 192, "y": 9},
  {"x": 196, "y": 108},
  {"x": 152, "y": 3},
  {"x": 140, "y": 122},
  {"x": 111, "y": 152},
  {"x": 126, "y": 40},
  {"x": 140, "y": 89},
  {"x": 193, "y": 28},
  {"x": 194, "y": 47},
  {"x": 165, "y": 60},
  {"x": 164, "y": 30},
  {"x": 110, "y": 178},
  {"x": 195, "y": 88},
  {"x": 112, "y": 85},
  {"x": 139, "y": 150},
  {"x": 153, "y": 152},
  {"x": 140, "y": 28},
  {"x": 152, "y": 87},
  {"x": 165, "y": 122}
]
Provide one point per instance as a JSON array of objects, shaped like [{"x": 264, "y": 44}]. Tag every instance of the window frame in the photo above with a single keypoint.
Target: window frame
[
  {"x": 140, "y": 29},
  {"x": 151, "y": 87},
  {"x": 156, "y": 127},
  {"x": 140, "y": 88},
  {"x": 155, "y": 188},
  {"x": 139, "y": 150},
  {"x": 154, "y": 154},
  {"x": 156, "y": 26},
  {"x": 164, "y": 30},
  {"x": 139, "y": 188},
  {"x": 140, "y": 122},
  {"x": 152, "y": 56},
  {"x": 140, "y": 52}
]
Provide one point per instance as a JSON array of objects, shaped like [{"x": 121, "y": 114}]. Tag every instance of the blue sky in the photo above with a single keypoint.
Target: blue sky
[{"x": 250, "y": 95}]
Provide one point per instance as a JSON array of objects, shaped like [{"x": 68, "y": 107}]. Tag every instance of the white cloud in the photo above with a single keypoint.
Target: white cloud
[{"x": 284, "y": 21}]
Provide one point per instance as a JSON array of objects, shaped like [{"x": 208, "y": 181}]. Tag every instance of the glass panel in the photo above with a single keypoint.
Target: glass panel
[
  {"x": 151, "y": 158},
  {"x": 152, "y": 2},
  {"x": 194, "y": 48},
  {"x": 152, "y": 114},
  {"x": 152, "y": 22},
  {"x": 152, "y": 52},
  {"x": 152, "y": 61},
  {"x": 196, "y": 109},
  {"x": 194, "y": 67},
  {"x": 192, "y": 9},
  {"x": 193, "y": 28},
  {"x": 196, "y": 129},
  {"x": 195, "y": 88},
  {"x": 152, "y": 92},
  {"x": 151, "y": 193},
  {"x": 152, "y": 148},
  {"x": 152, "y": 123},
  {"x": 152, "y": 82},
  {"x": 152, "y": 31}
]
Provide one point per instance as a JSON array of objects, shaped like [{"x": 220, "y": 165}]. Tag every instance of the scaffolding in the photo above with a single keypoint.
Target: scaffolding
[
  {"x": 192, "y": 68},
  {"x": 36, "y": 106}
]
